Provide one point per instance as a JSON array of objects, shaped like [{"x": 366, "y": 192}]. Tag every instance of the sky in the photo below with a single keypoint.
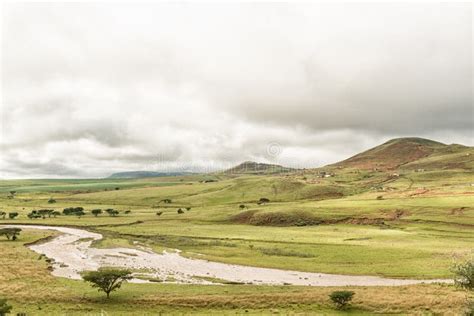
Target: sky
[{"x": 89, "y": 89}]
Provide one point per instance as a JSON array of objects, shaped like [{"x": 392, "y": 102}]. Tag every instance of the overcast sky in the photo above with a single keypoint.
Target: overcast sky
[{"x": 91, "y": 89}]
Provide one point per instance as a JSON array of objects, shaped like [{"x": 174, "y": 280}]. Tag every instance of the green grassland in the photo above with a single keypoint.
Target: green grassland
[{"x": 404, "y": 223}]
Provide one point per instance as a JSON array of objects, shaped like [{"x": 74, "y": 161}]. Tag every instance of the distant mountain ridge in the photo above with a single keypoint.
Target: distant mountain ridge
[
  {"x": 145, "y": 174},
  {"x": 411, "y": 153}
]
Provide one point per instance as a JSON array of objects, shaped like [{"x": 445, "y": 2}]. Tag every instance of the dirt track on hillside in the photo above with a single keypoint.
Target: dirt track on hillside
[{"x": 72, "y": 254}]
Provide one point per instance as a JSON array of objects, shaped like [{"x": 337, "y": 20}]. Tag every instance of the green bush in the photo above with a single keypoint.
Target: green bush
[
  {"x": 12, "y": 215},
  {"x": 464, "y": 275},
  {"x": 341, "y": 298}
]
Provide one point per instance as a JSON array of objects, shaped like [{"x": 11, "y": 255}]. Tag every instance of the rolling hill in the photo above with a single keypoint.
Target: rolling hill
[
  {"x": 412, "y": 153},
  {"x": 251, "y": 167}
]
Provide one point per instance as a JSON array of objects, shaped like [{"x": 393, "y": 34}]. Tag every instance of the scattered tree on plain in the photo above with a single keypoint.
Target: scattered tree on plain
[
  {"x": 112, "y": 212},
  {"x": 96, "y": 212},
  {"x": 10, "y": 232},
  {"x": 107, "y": 279},
  {"x": 73, "y": 210}
]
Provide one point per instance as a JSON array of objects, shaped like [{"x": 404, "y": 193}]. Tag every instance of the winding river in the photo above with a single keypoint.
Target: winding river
[{"x": 72, "y": 254}]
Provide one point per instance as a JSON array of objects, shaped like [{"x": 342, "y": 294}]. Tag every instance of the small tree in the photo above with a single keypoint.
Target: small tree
[
  {"x": 96, "y": 212},
  {"x": 51, "y": 201},
  {"x": 10, "y": 232},
  {"x": 464, "y": 275},
  {"x": 33, "y": 214},
  {"x": 341, "y": 298},
  {"x": 112, "y": 212},
  {"x": 127, "y": 212},
  {"x": 242, "y": 206},
  {"x": 263, "y": 201},
  {"x": 4, "y": 307},
  {"x": 79, "y": 214},
  {"x": 12, "y": 215},
  {"x": 107, "y": 279},
  {"x": 464, "y": 278},
  {"x": 3, "y": 214},
  {"x": 180, "y": 211},
  {"x": 159, "y": 213}
]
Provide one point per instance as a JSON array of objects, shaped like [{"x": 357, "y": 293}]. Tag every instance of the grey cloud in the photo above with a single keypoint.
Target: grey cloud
[{"x": 89, "y": 89}]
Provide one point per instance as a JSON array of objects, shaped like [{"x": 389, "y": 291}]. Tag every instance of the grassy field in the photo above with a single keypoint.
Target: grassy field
[{"x": 361, "y": 222}]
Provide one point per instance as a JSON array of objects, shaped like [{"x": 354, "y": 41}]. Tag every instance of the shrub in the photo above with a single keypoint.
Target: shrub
[
  {"x": 107, "y": 279},
  {"x": 159, "y": 213},
  {"x": 3, "y": 214},
  {"x": 4, "y": 307},
  {"x": 464, "y": 275},
  {"x": 241, "y": 206},
  {"x": 33, "y": 214},
  {"x": 51, "y": 201},
  {"x": 127, "y": 212},
  {"x": 180, "y": 211},
  {"x": 12, "y": 215},
  {"x": 380, "y": 197},
  {"x": 341, "y": 298}
]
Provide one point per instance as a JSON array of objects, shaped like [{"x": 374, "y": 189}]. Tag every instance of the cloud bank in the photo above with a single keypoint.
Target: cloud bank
[{"x": 91, "y": 89}]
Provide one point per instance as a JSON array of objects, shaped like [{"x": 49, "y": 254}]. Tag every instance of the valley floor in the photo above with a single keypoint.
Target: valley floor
[{"x": 412, "y": 226}]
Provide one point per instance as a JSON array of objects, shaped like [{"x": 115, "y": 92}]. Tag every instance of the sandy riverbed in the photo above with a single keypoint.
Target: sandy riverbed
[{"x": 72, "y": 254}]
